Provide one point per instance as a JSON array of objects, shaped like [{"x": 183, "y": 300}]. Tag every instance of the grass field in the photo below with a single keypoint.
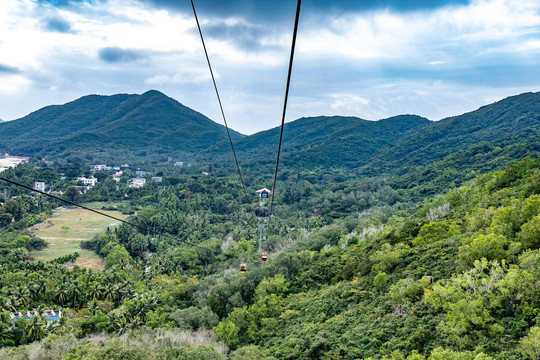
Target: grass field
[{"x": 66, "y": 228}]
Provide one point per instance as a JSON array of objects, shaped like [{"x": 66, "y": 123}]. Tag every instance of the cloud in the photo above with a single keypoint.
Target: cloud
[
  {"x": 243, "y": 34},
  {"x": 9, "y": 69},
  {"x": 119, "y": 55},
  {"x": 347, "y": 103},
  {"x": 266, "y": 12},
  {"x": 56, "y": 24},
  {"x": 186, "y": 76}
]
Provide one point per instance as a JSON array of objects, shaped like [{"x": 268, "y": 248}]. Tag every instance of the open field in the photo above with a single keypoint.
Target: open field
[
  {"x": 11, "y": 161},
  {"x": 65, "y": 230}
]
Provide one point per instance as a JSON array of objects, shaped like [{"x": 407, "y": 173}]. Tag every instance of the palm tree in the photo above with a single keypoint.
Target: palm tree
[
  {"x": 22, "y": 294},
  {"x": 108, "y": 293},
  {"x": 95, "y": 291},
  {"x": 5, "y": 331},
  {"x": 35, "y": 328},
  {"x": 93, "y": 307},
  {"x": 61, "y": 293},
  {"x": 74, "y": 291}
]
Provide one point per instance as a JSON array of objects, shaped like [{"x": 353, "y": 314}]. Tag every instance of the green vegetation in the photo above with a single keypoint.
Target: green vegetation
[
  {"x": 454, "y": 277},
  {"x": 96, "y": 126},
  {"x": 65, "y": 231},
  {"x": 438, "y": 259}
]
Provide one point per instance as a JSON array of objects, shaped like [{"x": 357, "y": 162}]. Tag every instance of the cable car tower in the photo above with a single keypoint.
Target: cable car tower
[{"x": 261, "y": 213}]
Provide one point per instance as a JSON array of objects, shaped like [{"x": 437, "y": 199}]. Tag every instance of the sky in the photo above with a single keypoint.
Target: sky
[{"x": 372, "y": 59}]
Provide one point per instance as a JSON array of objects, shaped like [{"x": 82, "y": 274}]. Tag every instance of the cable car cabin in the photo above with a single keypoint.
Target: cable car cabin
[
  {"x": 264, "y": 256},
  {"x": 243, "y": 268}
]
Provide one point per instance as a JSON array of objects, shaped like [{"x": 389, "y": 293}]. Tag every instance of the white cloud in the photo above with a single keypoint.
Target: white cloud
[
  {"x": 13, "y": 83},
  {"x": 393, "y": 36},
  {"x": 186, "y": 76},
  {"x": 348, "y": 103}
]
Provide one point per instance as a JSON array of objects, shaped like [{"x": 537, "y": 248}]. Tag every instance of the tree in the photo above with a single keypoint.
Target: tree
[
  {"x": 529, "y": 346},
  {"x": 73, "y": 194},
  {"x": 490, "y": 247},
  {"x": 5, "y": 219},
  {"x": 62, "y": 293},
  {"x": 117, "y": 256},
  {"x": 14, "y": 208},
  {"x": 35, "y": 329},
  {"x": 388, "y": 257},
  {"x": 530, "y": 233}
]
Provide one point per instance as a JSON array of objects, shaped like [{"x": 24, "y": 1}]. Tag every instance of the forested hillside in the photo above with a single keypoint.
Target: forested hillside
[
  {"x": 118, "y": 127},
  {"x": 153, "y": 128},
  {"x": 327, "y": 142},
  {"x": 501, "y": 123},
  {"x": 435, "y": 258},
  {"x": 454, "y": 277}
]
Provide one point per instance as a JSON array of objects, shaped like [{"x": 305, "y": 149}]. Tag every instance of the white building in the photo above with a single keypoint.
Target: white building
[
  {"x": 39, "y": 186},
  {"x": 101, "y": 168},
  {"x": 179, "y": 163},
  {"x": 136, "y": 182},
  {"x": 91, "y": 181},
  {"x": 117, "y": 175},
  {"x": 157, "y": 178}
]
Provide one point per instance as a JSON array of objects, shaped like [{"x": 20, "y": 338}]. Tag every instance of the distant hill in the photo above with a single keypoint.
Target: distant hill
[
  {"x": 505, "y": 123},
  {"x": 117, "y": 127},
  {"x": 323, "y": 141},
  {"x": 155, "y": 127}
]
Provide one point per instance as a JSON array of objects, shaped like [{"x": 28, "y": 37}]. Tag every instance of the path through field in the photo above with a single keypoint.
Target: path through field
[{"x": 66, "y": 228}]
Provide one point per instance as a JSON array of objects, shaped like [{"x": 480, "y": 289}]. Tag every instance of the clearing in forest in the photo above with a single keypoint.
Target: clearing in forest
[{"x": 66, "y": 228}]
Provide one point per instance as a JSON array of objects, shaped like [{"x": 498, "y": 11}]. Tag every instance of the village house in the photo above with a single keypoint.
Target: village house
[
  {"x": 91, "y": 181},
  {"x": 136, "y": 182},
  {"x": 157, "y": 178},
  {"x": 117, "y": 175},
  {"x": 102, "y": 168},
  {"x": 179, "y": 163},
  {"x": 39, "y": 186}
]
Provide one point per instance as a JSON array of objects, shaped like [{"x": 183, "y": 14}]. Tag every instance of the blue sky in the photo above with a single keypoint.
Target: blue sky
[{"x": 372, "y": 59}]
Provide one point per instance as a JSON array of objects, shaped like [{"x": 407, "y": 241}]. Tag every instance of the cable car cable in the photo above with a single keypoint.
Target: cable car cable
[
  {"x": 295, "y": 31},
  {"x": 219, "y": 98},
  {"x": 104, "y": 214}
]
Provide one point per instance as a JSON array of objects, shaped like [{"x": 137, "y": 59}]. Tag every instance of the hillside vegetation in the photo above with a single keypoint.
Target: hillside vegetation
[
  {"x": 433, "y": 255},
  {"x": 454, "y": 278},
  {"x": 153, "y": 128},
  {"x": 118, "y": 127}
]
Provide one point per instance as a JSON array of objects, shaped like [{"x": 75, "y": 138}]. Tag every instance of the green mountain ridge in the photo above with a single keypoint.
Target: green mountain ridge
[
  {"x": 154, "y": 127},
  {"x": 491, "y": 123},
  {"x": 325, "y": 141},
  {"x": 120, "y": 124}
]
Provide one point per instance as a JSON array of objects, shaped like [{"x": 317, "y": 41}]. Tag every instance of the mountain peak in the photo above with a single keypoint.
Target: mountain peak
[
  {"x": 151, "y": 93},
  {"x": 106, "y": 126}
]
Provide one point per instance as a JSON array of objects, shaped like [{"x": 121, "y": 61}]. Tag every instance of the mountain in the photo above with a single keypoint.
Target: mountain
[
  {"x": 117, "y": 126},
  {"x": 155, "y": 127},
  {"x": 323, "y": 141},
  {"x": 504, "y": 123}
]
